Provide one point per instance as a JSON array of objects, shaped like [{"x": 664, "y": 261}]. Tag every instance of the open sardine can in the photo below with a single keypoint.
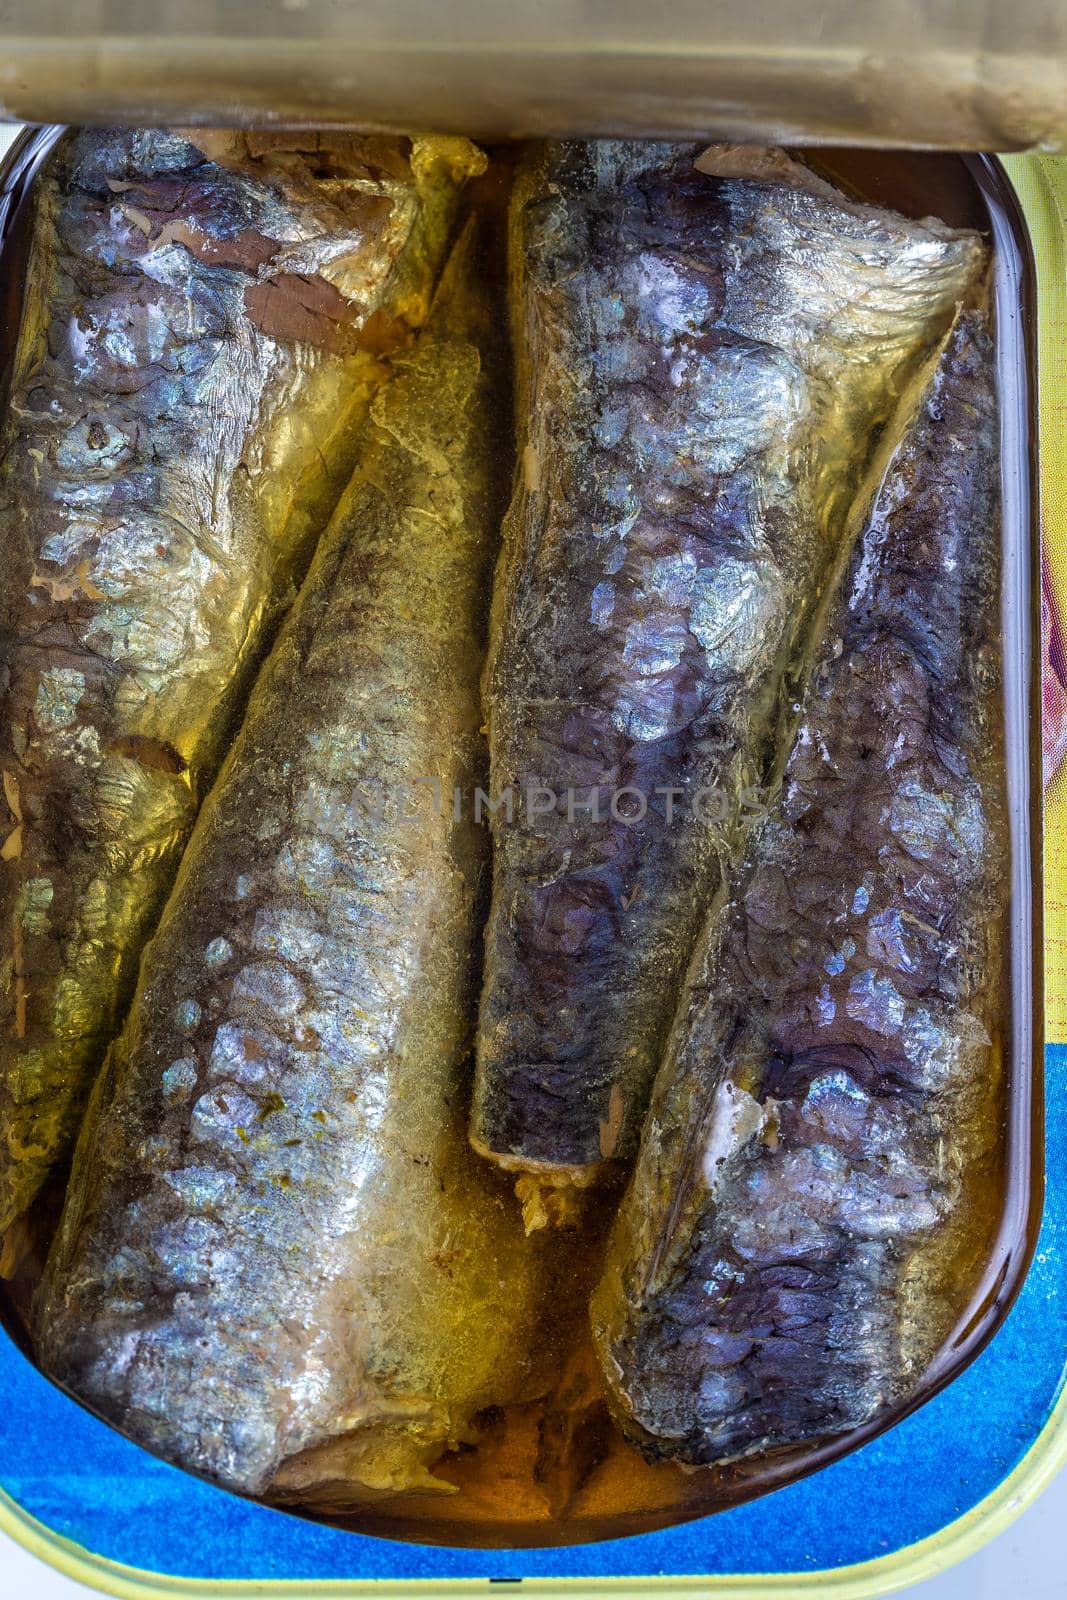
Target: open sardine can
[{"x": 937, "y": 111}]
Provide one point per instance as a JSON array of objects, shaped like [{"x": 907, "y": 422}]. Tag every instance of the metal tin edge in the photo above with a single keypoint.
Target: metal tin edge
[{"x": 1040, "y": 183}]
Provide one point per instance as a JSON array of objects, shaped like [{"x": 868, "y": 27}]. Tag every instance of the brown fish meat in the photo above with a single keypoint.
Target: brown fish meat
[
  {"x": 281, "y": 1264},
  {"x": 791, "y": 1253},
  {"x": 200, "y": 341},
  {"x": 707, "y": 350}
]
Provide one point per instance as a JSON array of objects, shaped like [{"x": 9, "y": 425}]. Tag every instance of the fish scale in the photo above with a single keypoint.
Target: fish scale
[
  {"x": 280, "y": 1263},
  {"x": 168, "y": 464},
  {"x": 813, "y": 1174},
  {"x": 709, "y": 346}
]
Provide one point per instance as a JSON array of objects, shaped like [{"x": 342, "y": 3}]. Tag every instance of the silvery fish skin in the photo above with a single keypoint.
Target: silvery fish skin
[
  {"x": 200, "y": 341},
  {"x": 706, "y": 353},
  {"x": 823, "y": 1134},
  {"x": 281, "y": 1264}
]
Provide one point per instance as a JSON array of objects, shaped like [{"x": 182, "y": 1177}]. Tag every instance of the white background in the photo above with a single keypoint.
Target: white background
[{"x": 1028, "y": 1562}]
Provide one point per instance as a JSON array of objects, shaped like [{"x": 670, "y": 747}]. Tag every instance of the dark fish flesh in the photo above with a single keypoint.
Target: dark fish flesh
[
  {"x": 200, "y": 341},
  {"x": 708, "y": 349},
  {"x": 789, "y": 1258}
]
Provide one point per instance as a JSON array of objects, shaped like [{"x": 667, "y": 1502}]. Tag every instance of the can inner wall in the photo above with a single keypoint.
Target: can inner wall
[{"x": 498, "y": 1503}]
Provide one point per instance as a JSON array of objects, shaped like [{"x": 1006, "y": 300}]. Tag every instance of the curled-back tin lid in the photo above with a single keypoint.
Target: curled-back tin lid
[{"x": 963, "y": 74}]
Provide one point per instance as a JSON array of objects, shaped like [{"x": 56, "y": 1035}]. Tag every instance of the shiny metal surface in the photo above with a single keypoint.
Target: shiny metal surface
[{"x": 954, "y": 74}]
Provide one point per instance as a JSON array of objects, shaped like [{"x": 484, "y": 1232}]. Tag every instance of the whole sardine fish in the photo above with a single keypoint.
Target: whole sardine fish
[
  {"x": 201, "y": 338},
  {"x": 818, "y": 1166},
  {"x": 281, "y": 1264},
  {"x": 707, "y": 351}
]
